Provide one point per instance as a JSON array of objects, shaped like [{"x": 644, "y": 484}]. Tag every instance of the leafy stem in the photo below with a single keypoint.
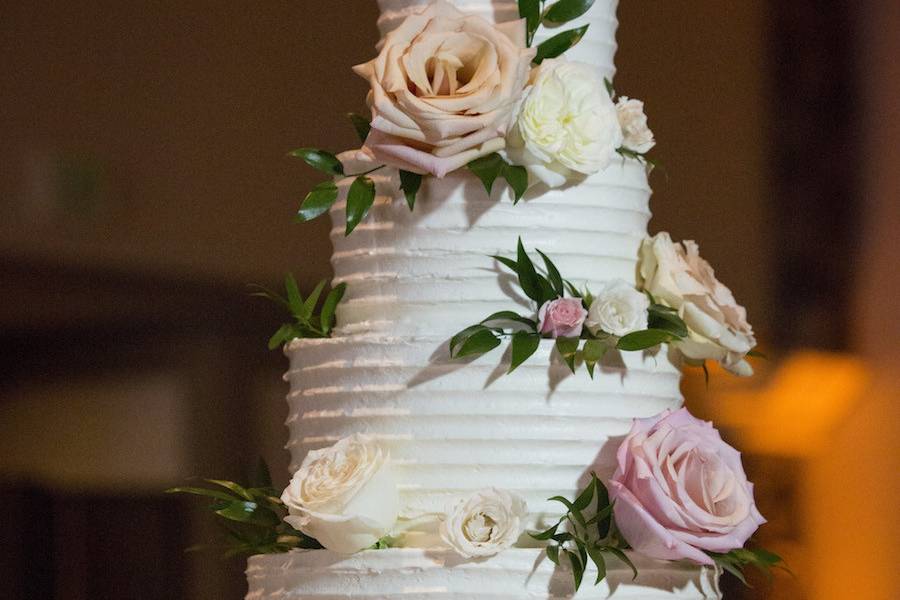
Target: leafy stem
[{"x": 307, "y": 322}]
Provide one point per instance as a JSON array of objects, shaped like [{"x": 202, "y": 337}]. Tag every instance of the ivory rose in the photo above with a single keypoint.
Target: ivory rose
[
  {"x": 618, "y": 309},
  {"x": 485, "y": 523},
  {"x": 637, "y": 135},
  {"x": 563, "y": 317},
  {"x": 344, "y": 496},
  {"x": 567, "y": 126},
  {"x": 680, "y": 490},
  {"x": 678, "y": 277},
  {"x": 444, "y": 85}
]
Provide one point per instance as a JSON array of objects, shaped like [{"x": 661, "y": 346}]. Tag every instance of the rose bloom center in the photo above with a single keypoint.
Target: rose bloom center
[{"x": 479, "y": 528}]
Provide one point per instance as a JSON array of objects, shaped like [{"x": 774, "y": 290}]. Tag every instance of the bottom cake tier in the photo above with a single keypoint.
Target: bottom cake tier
[{"x": 413, "y": 573}]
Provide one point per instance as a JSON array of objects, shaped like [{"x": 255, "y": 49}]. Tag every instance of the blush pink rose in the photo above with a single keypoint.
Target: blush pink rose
[
  {"x": 680, "y": 490},
  {"x": 563, "y": 317}
]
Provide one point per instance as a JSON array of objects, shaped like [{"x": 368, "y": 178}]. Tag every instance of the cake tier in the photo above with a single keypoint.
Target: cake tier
[
  {"x": 429, "y": 271},
  {"x": 453, "y": 427},
  {"x": 442, "y": 575},
  {"x": 598, "y": 47}
]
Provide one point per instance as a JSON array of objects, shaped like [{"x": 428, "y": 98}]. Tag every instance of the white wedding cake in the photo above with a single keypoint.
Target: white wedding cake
[{"x": 449, "y": 427}]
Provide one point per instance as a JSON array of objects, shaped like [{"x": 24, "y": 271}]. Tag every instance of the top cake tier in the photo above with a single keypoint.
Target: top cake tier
[{"x": 598, "y": 47}]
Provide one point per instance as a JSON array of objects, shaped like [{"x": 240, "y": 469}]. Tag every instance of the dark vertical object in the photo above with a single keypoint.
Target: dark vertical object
[
  {"x": 26, "y": 551},
  {"x": 814, "y": 61}
]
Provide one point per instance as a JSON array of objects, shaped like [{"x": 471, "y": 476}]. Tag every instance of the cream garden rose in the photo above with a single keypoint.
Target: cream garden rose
[
  {"x": 444, "y": 86},
  {"x": 637, "y": 135},
  {"x": 344, "y": 496},
  {"x": 567, "y": 125},
  {"x": 678, "y": 277},
  {"x": 485, "y": 523},
  {"x": 618, "y": 308}
]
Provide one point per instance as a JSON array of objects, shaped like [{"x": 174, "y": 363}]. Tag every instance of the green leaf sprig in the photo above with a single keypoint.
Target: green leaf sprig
[
  {"x": 737, "y": 561},
  {"x": 664, "y": 324},
  {"x": 586, "y": 532},
  {"x": 306, "y": 323},
  {"x": 538, "y": 12},
  {"x": 253, "y": 517},
  {"x": 360, "y": 196},
  {"x": 488, "y": 168}
]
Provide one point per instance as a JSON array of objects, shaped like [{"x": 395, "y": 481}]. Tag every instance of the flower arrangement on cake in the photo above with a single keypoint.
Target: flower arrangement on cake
[{"x": 453, "y": 94}]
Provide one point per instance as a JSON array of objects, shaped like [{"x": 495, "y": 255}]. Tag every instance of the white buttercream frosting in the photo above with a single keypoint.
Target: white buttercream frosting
[{"x": 441, "y": 574}]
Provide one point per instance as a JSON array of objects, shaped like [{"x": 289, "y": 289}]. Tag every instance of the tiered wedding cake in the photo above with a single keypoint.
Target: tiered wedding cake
[{"x": 454, "y": 427}]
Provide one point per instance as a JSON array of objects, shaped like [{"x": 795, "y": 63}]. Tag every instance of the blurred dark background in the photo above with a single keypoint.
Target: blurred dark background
[{"x": 144, "y": 183}]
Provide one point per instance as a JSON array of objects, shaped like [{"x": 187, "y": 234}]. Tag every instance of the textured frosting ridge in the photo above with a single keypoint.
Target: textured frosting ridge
[
  {"x": 598, "y": 47},
  {"x": 441, "y": 575},
  {"x": 429, "y": 271}
]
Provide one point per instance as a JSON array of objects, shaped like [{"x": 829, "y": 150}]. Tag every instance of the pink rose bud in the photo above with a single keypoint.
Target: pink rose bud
[
  {"x": 680, "y": 490},
  {"x": 562, "y": 317}
]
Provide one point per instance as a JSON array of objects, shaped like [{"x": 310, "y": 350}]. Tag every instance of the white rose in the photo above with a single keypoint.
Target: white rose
[
  {"x": 567, "y": 126},
  {"x": 618, "y": 309},
  {"x": 444, "y": 86},
  {"x": 638, "y": 136},
  {"x": 484, "y": 524},
  {"x": 344, "y": 496},
  {"x": 678, "y": 277}
]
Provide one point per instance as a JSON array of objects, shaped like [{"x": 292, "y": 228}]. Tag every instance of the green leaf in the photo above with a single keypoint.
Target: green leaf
[
  {"x": 566, "y": 10},
  {"x": 528, "y": 277},
  {"x": 317, "y": 202},
  {"x": 517, "y": 178},
  {"x": 508, "y": 315},
  {"x": 478, "y": 343},
  {"x": 546, "y": 534},
  {"x": 487, "y": 169},
  {"x": 641, "y": 340},
  {"x": 577, "y": 568},
  {"x": 232, "y": 487},
  {"x": 463, "y": 335},
  {"x": 309, "y": 305},
  {"x": 584, "y": 498},
  {"x": 594, "y": 350},
  {"x": 757, "y": 354},
  {"x": 609, "y": 88},
  {"x": 530, "y": 10},
  {"x": 624, "y": 558},
  {"x": 202, "y": 492},
  {"x": 410, "y": 183},
  {"x": 598, "y": 560},
  {"x": 508, "y": 262},
  {"x": 524, "y": 344},
  {"x": 573, "y": 291},
  {"x": 359, "y": 201},
  {"x": 568, "y": 349},
  {"x": 662, "y": 317},
  {"x": 248, "y": 512},
  {"x": 295, "y": 300},
  {"x": 553, "y": 275},
  {"x": 329, "y": 306},
  {"x": 553, "y": 553},
  {"x": 559, "y": 43},
  {"x": 360, "y": 124},
  {"x": 320, "y": 160},
  {"x": 285, "y": 333}
]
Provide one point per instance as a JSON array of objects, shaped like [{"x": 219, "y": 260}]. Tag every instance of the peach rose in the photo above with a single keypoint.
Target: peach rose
[{"x": 444, "y": 86}]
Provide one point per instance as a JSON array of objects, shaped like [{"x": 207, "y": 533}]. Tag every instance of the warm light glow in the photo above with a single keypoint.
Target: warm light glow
[{"x": 796, "y": 413}]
